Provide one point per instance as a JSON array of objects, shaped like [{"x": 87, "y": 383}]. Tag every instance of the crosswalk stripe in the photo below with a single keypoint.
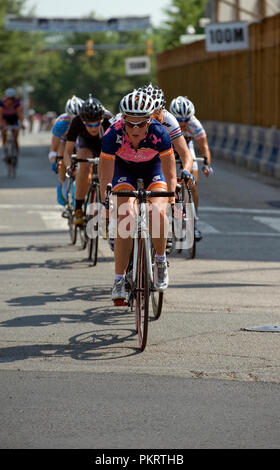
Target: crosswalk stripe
[
  {"x": 238, "y": 210},
  {"x": 51, "y": 219},
  {"x": 271, "y": 222},
  {"x": 207, "y": 228}
]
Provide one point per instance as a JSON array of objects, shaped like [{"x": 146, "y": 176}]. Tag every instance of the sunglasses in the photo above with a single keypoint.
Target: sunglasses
[
  {"x": 140, "y": 124},
  {"x": 182, "y": 120},
  {"x": 92, "y": 124}
]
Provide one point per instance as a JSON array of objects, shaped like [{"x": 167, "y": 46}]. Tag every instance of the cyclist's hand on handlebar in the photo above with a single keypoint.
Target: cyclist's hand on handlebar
[
  {"x": 207, "y": 170},
  {"x": 188, "y": 177},
  {"x": 70, "y": 170}
]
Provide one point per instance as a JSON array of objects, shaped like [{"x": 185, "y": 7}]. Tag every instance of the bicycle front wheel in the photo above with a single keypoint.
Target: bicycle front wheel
[
  {"x": 156, "y": 296},
  {"x": 142, "y": 294},
  {"x": 94, "y": 198}
]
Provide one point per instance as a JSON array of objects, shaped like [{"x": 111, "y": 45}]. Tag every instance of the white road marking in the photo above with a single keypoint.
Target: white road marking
[
  {"x": 31, "y": 206},
  {"x": 239, "y": 210},
  {"x": 272, "y": 222},
  {"x": 51, "y": 219},
  {"x": 54, "y": 221},
  {"x": 207, "y": 228}
]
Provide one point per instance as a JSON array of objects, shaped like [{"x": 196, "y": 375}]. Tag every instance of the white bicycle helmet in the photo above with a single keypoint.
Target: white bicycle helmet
[
  {"x": 137, "y": 103},
  {"x": 182, "y": 108},
  {"x": 156, "y": 93},
  {"x": 73, "y": 106},
  {"x": 10, "y": 93}
]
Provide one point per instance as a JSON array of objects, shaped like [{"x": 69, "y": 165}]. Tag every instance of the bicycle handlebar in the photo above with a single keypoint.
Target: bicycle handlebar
[
  {"x": 201, "y": 159},
  {"x": 84, "y": 160},
  {"x": 138, "y": 194}
]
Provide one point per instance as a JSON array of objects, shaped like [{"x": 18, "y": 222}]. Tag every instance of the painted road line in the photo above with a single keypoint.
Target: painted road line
[
  {"x": 207, "y": 228},
  {"x": 271, "y": 222},
  {"x": 31, "y": 206},
  {"x": 52, "y": 220},
  {"x": 239, "y": 210}
]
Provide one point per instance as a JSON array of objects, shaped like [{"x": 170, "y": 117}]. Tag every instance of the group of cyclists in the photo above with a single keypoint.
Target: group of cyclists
[{"x": 141, "y": 141}]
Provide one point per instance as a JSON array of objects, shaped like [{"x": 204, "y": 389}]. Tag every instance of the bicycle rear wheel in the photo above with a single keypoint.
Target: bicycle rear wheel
[
  {"x": 94, "y": 198},
  {"x": 142, "y": 294},
  {"x": 157, "y": 297}
]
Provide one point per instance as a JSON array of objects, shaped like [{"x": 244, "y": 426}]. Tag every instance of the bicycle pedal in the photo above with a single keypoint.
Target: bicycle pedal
[{"x": 120, "y": 303}]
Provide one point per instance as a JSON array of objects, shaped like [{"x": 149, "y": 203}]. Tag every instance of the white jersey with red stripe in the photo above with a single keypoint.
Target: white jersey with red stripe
[
  {"x": 171, "y": 125},
  {"x": 195, "y": 129}
]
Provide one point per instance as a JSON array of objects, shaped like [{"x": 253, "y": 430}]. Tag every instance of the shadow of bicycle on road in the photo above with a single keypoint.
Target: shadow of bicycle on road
[
  {"x": 98, "y": 345},
  {"x": 112, "y": 342}
]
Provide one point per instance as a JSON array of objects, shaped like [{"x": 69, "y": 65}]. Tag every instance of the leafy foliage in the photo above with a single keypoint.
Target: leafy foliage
[
  {"x": 181, "y": 14},
  {"x": 42, "y": 60}
]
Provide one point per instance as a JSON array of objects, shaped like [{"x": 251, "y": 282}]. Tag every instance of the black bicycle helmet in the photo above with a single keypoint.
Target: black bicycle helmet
[{"x": 92, "y": 110}]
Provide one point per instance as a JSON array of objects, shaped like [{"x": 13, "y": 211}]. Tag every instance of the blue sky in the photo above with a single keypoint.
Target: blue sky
[{"x": 102, "y": 8}]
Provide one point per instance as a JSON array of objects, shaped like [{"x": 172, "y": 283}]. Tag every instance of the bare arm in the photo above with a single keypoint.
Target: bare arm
[
  {"x": 205, "y": 152},
  {"x": 20, "y": 114},
  {"x": 204, "y": 148},
  {"x": 68, "y": 152},
  {"x": 2, "y": 123},
  {"x": 54, "y": 148},
  {"x": 182, "y": 149},
  {"x": 168, "y": 166},
  {"x": 105, "y": 175}
]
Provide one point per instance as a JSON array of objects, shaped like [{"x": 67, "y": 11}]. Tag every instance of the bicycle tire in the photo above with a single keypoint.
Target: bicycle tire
[
  {"x": 94, "y": 198},
  {"x": 11, "y": 156},
  {"x": 156, "y": 296},
  {"x": 83, "y": 236},
  {"x": 70, "y": 206},
  {"x": 72, "y": 229},
  {"x": 191, "y": 252},
  {"x": 142, "y": 294}
]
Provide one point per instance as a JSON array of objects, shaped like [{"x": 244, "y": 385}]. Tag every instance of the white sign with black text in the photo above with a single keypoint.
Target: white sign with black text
[
  {"x": 137, "y": 65},
  {"x": 227, "y": 36}
]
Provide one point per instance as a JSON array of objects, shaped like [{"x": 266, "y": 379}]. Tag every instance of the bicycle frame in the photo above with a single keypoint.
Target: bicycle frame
[
  {"x": 10, "y": 150},
  {"x": 142, "y": 280}
]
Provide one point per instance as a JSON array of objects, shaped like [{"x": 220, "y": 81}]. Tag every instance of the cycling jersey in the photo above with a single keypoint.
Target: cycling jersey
[
  {"x": 171, "y": 125},
  {"x": 116, "y": 142},
  {"x": 195, "y": 129},
  {"x": 61, "y": 126},
  {"x": 78, "y": 128},
  {"x": 131, "y": 164},
  {"x": 10, "y": 115}
]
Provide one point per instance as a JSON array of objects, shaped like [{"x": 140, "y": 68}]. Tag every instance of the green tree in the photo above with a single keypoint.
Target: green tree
[
  {"x": 18, "y": 50},
  {"x": 181, "y": 14}
]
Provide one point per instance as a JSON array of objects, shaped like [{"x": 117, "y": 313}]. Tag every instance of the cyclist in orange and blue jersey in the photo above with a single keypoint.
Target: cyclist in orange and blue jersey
[{"x": 137, "y": 146}]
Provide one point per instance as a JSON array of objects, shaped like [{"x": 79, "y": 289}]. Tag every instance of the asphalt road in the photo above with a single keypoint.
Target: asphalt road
[{"x": 71, "y": 373}]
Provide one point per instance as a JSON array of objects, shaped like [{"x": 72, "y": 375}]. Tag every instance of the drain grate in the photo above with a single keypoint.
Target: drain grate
[{"x": 264, "y": 328}]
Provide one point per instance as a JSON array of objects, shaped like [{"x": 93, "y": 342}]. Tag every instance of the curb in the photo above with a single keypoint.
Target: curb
[{"x": 256, "y": 148}]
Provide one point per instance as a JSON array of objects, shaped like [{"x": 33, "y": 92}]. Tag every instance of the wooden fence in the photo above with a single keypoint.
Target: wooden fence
[{"x": 237, "y": 86}]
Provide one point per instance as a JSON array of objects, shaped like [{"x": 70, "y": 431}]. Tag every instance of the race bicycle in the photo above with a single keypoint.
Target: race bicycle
[
  {"x": 140, "y": 272},
  {"x": 189, "y": 215},
  {"x": 11, "y": 151},
  {"x": 88, "y": 233}
]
